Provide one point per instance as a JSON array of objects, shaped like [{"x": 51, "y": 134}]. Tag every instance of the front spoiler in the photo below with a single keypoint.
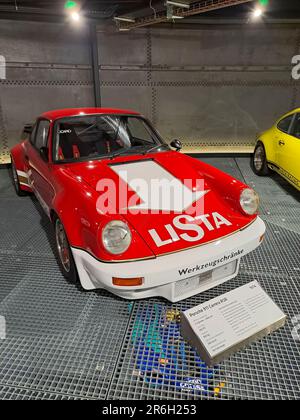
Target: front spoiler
[{"x": 161, "y": 274}]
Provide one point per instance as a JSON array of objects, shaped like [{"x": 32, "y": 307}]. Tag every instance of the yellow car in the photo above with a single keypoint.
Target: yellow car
[{"x": 278, "y": 149}]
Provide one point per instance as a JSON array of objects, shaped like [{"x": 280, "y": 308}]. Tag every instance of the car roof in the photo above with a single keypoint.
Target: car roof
[
  {"x": 73, "y": 112},
  {"x": 294, "y": 111}
]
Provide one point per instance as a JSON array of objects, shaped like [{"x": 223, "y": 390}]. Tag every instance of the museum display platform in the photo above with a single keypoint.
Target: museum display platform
[{"x": 64, "y": 343}]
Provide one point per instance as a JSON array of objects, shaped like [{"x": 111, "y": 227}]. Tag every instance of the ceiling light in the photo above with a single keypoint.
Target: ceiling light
[
  {"x": 124, "y": 19},
  {"x": 75, "y": 16},
  {"x": 257, "y": 13},
  {"x": 178, "y": 4}
]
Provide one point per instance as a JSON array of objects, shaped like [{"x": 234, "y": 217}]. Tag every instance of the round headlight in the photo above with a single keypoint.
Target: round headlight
[
  {"x": 116, "y": 237},
  {"x": 249, "y": 201}
]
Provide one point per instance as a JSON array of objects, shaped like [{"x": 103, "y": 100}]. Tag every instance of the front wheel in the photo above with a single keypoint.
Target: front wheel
[
  {"x": 259, "y": 160},
  {"x": 64, "y": 253}
]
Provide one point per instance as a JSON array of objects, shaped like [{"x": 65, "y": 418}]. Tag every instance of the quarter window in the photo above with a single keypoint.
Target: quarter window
[
  {"x": 296, "y": 127},
  {"x": 41, "y": 137},
  {"x": 32, "y": 135},
  {"x": 285, "y": 124}
]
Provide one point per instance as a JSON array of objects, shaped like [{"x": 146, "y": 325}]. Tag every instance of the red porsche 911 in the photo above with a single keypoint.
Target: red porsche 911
[{"x": 130, "y": 214}]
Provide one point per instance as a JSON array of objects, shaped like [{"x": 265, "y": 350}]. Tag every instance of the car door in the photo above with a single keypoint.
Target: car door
[
  {"x": 284, "y": 143},
  {"x": 39, "y": 169}
]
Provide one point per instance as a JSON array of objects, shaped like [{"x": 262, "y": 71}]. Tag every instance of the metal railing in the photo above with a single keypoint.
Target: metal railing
[{"x": 195, "y": 8}]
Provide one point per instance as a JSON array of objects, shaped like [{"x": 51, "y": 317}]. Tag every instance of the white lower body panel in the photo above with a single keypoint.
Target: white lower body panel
[{"x": 174, "y": 276}]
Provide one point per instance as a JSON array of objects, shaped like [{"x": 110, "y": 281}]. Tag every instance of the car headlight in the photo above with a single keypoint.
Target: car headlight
[
  {"x": 116, "y": 237},
  {"x": 249, "y": 201}
]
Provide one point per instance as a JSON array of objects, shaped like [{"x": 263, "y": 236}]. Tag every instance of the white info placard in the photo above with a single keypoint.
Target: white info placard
[{"x": 228, "y": 323}]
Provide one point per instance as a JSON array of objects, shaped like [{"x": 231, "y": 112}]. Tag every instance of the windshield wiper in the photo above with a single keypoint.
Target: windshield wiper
[
  {"x": 152, "y": 149},
  {"x": 119, "y": 153},
  {"x": 133, "y": 150}
]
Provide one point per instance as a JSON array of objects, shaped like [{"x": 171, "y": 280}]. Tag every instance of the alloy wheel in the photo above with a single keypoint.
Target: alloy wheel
[
  {"x": 62, "y": 246},
  {"x": 259, "y": 158}
]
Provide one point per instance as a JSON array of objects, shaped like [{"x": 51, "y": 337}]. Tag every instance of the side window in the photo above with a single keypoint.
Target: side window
[
  {"x": 284, "y": 125},
  {"x": 138, "y": 130},
  {"x": 41, "y": 136},
  {"x": 296, "y": 127},
  {"x": 32, "y": 134}
]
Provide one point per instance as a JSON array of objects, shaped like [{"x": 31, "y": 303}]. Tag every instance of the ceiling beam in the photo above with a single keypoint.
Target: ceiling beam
[
  {"x": 26, "y": 12},
  {"x": 195, "y": 8}
]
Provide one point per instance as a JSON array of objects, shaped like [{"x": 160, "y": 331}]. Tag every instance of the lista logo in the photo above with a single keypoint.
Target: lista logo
[{"x": 184, "y": 228}]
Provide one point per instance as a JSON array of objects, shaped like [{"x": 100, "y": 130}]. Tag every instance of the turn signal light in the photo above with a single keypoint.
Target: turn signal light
[
  {"x": 136, "y": 281},
  {"x": 262, "y": 238}
]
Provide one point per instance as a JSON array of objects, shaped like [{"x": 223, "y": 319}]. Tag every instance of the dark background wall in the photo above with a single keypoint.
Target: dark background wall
[
  {"x": 213, "y": 86},
  {"x": 48, "y": 67}
]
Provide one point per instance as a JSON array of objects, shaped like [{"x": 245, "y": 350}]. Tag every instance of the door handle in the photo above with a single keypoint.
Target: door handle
[{"x": 281, "y": 143}]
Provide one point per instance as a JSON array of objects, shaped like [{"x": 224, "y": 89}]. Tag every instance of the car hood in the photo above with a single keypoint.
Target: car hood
[{"x": 201, "y": 206}]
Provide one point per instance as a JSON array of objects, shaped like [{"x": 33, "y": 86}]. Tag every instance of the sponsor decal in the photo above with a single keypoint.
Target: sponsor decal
[
  {"x": 68, "y": 131},
  {"x": 284, "y": 173},
  {"x": 23, "y": 178},
  {"x": 211, "y": 264},
  {"x": 184, "y": 228}
]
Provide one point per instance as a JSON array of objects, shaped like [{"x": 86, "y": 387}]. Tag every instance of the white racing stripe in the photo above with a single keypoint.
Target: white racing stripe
[
  {"x": 23, "y": 174},
  {"x": 157, "y": 188}
]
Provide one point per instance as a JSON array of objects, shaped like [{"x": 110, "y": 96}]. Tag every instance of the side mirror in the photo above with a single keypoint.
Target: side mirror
[
  {"x": 176, "y": 144},
  {"x": 44, "y": 153}
]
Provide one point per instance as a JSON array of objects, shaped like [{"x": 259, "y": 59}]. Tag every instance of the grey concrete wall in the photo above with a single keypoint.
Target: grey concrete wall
[
  {"x": 48, "y": 67},
  {"x": 213, "y": 87}
]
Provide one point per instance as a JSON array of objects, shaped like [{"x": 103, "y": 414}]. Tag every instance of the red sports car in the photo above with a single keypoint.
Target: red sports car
[{"x": 130, "y": 214}]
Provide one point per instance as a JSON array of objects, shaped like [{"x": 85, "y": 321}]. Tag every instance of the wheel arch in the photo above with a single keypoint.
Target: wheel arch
[
  {"x": 268, "y": 141},
  {"x": 17, "y": 159},
  {"x": 69, "y": 214}
]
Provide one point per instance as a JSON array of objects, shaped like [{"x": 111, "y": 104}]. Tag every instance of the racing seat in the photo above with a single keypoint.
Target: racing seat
[
  {"x": 70, "y": 146},
  {"x": 90, "y": 143},
  {"x": 296, "y": 130}
]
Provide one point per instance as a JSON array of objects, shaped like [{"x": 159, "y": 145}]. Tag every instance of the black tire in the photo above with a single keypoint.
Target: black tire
[
  {"x": 259, "y": 161},
  {"x": 64, "y": 253},
  {"x": 15, "y": 180}
]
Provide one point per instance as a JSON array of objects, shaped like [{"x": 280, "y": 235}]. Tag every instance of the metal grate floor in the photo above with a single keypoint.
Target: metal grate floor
[{"x": 65, "y": 343}]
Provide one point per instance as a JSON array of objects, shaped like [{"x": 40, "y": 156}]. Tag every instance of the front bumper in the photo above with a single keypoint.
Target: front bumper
[{"x": 174, "y": 276}]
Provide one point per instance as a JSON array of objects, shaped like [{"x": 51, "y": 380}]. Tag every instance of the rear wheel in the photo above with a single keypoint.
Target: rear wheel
[
  {"x": 64, "y": 253},
  {"x": 259, "y": 160},
  {"x": 16, "y": 181}
]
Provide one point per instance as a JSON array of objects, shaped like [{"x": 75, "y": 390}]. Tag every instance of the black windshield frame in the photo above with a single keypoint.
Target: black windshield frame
[{"x": 158, "y": 139}]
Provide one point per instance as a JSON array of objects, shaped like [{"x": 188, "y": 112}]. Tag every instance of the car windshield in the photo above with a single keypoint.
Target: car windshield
[{"x": 98, "y": 136}]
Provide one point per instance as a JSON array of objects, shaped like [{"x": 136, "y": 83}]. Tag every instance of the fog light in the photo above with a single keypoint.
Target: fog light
[{"x": 136, "y": 281}]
